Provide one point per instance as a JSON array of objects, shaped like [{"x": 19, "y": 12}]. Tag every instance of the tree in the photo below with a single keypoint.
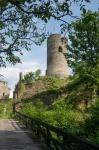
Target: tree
[
  {"x": 37, "y": 73},
  {"x": 83, "y": 54},
  {"x": 22, "y": 22},
  {"x": 31, "y": 76}
]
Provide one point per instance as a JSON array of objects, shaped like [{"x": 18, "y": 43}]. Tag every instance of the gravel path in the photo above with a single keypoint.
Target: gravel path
[{"x": 12, "y": 137}]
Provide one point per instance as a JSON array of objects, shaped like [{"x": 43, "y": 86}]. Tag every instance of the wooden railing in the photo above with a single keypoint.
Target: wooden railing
[{"x": 55, "y": 138}]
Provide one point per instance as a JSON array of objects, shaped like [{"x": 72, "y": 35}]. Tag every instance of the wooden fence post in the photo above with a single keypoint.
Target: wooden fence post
[
  {"x": 14, "y": 109},
  {"x": 48, "y": 138}
]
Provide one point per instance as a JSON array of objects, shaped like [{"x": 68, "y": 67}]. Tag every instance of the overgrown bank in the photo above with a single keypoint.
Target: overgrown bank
[
  {"x": 69, "y": 106},
  {"x": 84, "y": 124},
  {"x": 6, "y": 109}
]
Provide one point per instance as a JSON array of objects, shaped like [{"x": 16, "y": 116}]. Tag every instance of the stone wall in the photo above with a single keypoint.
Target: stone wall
[
  {"x": 27, "y": 90},
  {"x": 4, "y": 90}
]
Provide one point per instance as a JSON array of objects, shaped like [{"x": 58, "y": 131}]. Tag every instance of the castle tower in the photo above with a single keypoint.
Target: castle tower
[{"x": 56, "y": 61}]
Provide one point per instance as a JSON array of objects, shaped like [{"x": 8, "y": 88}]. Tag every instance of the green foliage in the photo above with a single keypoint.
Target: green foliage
[
  {"x": 31, "y": 76},
  {"x": 60, "y": 115},
  {"x": 66, "y": 117},
  {"x": 34, "y": 111},
  {"x": 23, "y": 23},
  {"x": 63, "y": 115},
  {"x": 53, "y": 82},
  {"x": 6, "y": 109},
  {"x": 83, "y": 54},
  {"x": 37, "y": 73},
  {"x": 1, "y": 109},
  {"x": 92, "y": 124}
]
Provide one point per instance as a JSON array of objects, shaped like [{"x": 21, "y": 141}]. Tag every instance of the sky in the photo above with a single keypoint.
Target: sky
[{"x": 37, "y": 57}]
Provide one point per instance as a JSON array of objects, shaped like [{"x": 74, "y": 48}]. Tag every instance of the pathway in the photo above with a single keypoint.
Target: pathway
[{"x": 12, "y": 137}]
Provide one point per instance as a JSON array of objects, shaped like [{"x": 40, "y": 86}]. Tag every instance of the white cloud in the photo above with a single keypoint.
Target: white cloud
[
  {"x": 11, "y": 73},
  {"x": 31, "y": 61}
]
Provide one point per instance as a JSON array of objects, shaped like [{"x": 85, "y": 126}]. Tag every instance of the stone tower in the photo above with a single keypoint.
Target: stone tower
[{"x": 56, "y": 61}]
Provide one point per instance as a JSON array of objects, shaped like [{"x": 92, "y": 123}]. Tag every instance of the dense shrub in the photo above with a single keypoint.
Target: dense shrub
[
  {"x": 59, "y": 115},
  {"x": 92, "y": 124},
  {"x": 64, "y": 112},
  {"x": 6, "y": 109}
]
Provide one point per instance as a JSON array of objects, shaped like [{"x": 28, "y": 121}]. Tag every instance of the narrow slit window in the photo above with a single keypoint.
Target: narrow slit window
[{"x": 60, "y": 49}]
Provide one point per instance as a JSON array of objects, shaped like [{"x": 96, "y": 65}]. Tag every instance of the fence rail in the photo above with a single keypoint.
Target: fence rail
[{"x": 55, "y": 138}]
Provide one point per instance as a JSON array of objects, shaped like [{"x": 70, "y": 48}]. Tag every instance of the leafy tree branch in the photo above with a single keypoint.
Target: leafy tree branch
[{"x": 25, "y": 20}]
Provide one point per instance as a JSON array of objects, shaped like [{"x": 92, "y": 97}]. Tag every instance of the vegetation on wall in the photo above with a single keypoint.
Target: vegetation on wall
[{"x": 32, "y": 76}]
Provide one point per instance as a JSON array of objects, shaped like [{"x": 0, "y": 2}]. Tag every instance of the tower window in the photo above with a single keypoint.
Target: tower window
[{"x": 60, "y": 49}]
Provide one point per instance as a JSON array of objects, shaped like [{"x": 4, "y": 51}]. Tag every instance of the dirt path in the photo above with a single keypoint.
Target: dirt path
[{"x": 13, "y": 138}]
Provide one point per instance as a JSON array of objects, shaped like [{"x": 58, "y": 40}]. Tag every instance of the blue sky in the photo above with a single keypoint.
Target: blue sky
[{"x": 37, "y": 57}]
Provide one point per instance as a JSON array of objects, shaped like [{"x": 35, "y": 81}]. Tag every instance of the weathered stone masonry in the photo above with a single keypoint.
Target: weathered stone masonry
[
  {"x": 56, "y": 61},
  {"x": 4, "y": 90},
  {"x": 56, "y": 65}
]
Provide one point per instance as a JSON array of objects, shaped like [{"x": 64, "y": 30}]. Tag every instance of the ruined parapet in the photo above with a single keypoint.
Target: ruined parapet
[
  {"x": 19, "y": 87},
  {"x": 20, "y": 76},
  {"x": 56, "y": 61}
]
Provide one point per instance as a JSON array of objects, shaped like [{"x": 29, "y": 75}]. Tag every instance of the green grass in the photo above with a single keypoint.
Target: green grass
[
  {"x": 64, "y": 112},
  {"x": 6, "y": 108},
  {"x": 59, "y": 115},
  {"x": 65, "y": 116}
]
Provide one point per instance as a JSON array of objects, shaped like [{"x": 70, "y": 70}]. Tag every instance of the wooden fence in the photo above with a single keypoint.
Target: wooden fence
[{"x": 55, "y": 138}]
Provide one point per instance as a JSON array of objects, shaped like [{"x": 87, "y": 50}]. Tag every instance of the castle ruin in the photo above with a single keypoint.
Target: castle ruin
[
  {"x": 4, "y": 90},
  {"x": 56, "y": 61}
]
